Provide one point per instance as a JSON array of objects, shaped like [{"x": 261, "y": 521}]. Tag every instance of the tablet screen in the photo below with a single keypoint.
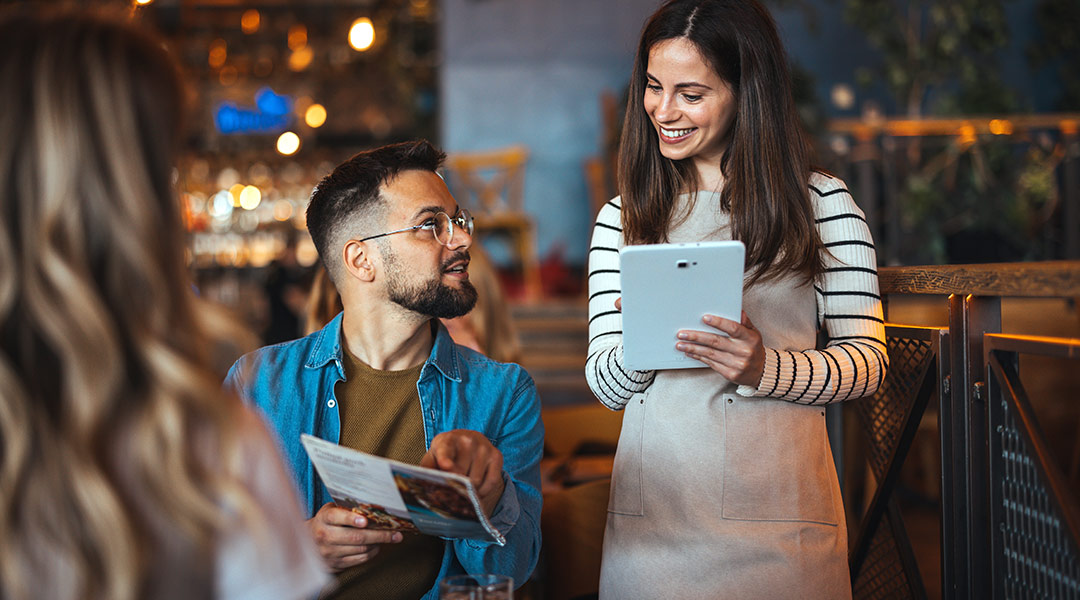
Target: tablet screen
[{"x": 669, "y": 287}]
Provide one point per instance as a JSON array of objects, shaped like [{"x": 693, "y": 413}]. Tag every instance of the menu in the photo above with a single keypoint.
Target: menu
[{"x": 399, "y": 496}]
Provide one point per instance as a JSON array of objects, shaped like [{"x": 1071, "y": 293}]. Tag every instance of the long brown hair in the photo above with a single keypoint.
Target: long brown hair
[
  {"x": 767, "y": 164},
  {"x": 114, "y": 434}
]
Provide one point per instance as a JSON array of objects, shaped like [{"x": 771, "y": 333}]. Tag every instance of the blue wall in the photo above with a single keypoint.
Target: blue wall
[{"x": 532, "y": 72}]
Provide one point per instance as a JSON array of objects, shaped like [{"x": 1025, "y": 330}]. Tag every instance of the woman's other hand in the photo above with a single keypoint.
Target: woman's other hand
[{"x": 739, "y": 356}]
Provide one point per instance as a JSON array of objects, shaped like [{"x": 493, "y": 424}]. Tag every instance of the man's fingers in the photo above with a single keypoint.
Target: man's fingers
[
  {"x": 351, "y": 560},
  {"x": 342, "y": 517},
  {"x": 492, "y": 476},
  {"x": 346, "y": 538}
]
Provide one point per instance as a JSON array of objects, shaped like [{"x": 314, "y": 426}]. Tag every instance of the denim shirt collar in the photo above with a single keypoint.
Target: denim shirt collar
[{"x": 327, "y": 348}]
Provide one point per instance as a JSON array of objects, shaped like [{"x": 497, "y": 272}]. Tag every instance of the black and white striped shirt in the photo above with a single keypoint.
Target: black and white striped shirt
[{"x": 851, "y": 365}]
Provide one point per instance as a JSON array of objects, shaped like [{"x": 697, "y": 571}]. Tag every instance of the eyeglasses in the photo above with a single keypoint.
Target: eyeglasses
[{"x": 441, "y": 227}]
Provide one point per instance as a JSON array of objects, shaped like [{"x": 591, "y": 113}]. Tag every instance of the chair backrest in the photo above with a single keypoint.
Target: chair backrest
[{"x": 489, "y": 182}]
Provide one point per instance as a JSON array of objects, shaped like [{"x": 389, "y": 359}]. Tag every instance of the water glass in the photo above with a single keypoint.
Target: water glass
[{"x": 477, "y": 587}]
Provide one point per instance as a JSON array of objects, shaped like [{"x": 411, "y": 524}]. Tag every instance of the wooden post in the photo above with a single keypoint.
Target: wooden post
[{"x": 1071, "y": 193}]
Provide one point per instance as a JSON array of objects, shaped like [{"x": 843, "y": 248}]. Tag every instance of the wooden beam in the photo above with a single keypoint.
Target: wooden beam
[{"x": 1048, "y": 279}]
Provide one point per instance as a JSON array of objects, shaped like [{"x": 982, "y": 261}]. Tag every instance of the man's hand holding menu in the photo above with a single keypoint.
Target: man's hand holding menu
[{"x": 470, "y": 454}]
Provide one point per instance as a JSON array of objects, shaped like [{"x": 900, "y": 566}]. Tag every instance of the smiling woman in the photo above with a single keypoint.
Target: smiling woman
[
  {"x": 692, "y": 108},
  {"x": 713, "y": 150}
]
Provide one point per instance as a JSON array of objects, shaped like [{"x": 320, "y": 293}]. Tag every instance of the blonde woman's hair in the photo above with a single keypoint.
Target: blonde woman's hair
[
  {"x": 323, "y": 303},
  {"x": 114, "y": 434},
  {"x": 491, "y": 316}
]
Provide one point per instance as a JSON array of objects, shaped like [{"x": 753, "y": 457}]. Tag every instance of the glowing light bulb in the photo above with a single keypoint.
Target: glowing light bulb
[
  {"x": 250, "y": 197},
  {"x": 249, "y": 21},
  {"x": 361, "y": 34},
  {"x": 297, "y": 37},
  {"x": 235, "y": 190},
  {"x": 315, "y": 115},
  {"x": 288, "y": 143}
]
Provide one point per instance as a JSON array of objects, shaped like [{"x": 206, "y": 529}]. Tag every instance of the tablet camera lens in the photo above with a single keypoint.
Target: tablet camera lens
[{"x": 681, "y": 264}]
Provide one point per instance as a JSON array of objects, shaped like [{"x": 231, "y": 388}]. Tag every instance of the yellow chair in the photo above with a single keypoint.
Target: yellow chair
[
  {"x": 491, "y": 185},
  {"x": 573, "y": 523}
]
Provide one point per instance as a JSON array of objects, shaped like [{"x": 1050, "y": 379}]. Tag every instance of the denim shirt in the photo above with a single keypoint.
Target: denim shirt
[{"x": 293, "y": 385}]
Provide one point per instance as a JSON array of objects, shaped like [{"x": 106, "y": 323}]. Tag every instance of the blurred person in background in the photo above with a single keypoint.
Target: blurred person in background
[
  {"x": 284, "y": 289},
  {"x": 124, "y": 471},
  {"x": 713, "y": 149},
  {"x": 385, "y": 377}
]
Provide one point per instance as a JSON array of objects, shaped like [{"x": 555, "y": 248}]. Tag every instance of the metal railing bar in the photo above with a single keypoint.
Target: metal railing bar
[
  {"x": 1016, "y": 396},
  {"x": 1047, "y": 279},
  {"x": 946, "y": 419},
  {"x": 907, "y": 556},
  {"x": 1033, "y": 344},
  {"x": 879, "y": 504},
  {"x": 1000, "y": 471},
  {"x": 911, "y": 332}
]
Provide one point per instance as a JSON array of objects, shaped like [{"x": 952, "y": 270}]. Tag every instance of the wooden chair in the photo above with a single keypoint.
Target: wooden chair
[{"x": 491, "y": 185}]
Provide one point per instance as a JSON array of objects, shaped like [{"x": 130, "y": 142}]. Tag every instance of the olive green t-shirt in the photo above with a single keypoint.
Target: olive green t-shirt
[{"x": 380, "y": 414}]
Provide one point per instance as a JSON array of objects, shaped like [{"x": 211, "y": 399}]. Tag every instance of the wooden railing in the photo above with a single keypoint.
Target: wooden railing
[{"x": 1009, "y": 522}]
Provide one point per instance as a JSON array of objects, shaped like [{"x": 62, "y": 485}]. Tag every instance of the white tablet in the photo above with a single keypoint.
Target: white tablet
[{"x": 669, "y": 287}]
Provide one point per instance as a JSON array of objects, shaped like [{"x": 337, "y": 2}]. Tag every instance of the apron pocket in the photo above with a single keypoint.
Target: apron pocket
[{"x": 776, "y": 462}]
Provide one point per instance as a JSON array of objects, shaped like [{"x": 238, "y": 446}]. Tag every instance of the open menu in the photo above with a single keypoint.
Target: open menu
[{"x": 398, "y": 496}]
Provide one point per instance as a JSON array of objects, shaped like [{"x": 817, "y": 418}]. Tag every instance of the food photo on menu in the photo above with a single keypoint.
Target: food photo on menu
[{"x": 398, "y": 496}]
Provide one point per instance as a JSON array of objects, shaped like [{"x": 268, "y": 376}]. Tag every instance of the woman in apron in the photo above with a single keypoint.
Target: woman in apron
[{"x": 724, "y": 484}]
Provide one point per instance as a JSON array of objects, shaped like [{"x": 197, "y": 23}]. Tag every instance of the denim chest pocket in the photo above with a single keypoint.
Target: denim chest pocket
[
  {"x": 626, "y": 474},
  {"x": 777, "y": 463}
]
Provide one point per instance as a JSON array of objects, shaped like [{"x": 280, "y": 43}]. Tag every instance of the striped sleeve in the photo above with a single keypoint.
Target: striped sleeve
[
  {"x": 854, "y": 360},
  {"x": 609, "y": 380}
]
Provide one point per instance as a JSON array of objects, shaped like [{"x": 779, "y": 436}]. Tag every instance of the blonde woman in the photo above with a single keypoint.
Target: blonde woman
[{"x": 124, "y": 472}]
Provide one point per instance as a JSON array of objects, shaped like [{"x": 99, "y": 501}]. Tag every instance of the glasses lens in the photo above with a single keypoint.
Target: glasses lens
[
  {"x": 444, "y": 229},
  {"x": 465, "y": 220}
]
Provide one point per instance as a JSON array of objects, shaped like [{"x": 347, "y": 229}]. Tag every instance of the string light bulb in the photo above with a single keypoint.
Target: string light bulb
[
  {"x": 361, "y": 34},
  {"x": 315, "y": 116},
  {"x": 288, "y": 143},
  {"x": 250, "y": 197}
]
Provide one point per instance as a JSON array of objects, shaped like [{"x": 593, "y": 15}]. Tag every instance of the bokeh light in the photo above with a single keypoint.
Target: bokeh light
[
  {"x": 300, "y": 59},
  {"x": 249, "y": 21},
  {"x": 361, "y": 34},
  {"x": 283, "y": 210},
  {"x": 288, "y": 143},
  {"x": 297, "y": 37},
  {"x": 1001, "y": 127},
  {"x": 235, "y": 190},
  {"x": 250, "y": 197},
  {"x": 218, "y": 53},
  {"x": 315, "y": 115}
]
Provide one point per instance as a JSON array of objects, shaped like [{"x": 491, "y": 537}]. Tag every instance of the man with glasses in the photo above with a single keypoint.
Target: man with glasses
[{"x": 384, "y": 377}]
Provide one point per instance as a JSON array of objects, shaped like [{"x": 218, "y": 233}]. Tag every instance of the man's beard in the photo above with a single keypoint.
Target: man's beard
[{"x": 432, "y": 298}]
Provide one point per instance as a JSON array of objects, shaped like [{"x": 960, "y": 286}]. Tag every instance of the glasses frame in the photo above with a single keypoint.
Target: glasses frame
[{"x": 464, "y": 220}]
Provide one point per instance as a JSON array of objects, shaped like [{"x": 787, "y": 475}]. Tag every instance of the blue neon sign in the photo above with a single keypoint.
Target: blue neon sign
[{"x": 272, "y": 113}]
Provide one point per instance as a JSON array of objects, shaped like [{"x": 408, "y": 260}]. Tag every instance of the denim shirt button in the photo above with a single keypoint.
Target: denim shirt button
[{"x": 331, "y": 403}]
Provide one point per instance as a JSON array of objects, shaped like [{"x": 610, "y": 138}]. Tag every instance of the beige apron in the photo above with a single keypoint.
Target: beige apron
[{"x": 715, "y": 495}]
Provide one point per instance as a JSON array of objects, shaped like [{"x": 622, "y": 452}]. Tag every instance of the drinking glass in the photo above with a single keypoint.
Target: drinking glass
[{"x": 476, "y": 587}]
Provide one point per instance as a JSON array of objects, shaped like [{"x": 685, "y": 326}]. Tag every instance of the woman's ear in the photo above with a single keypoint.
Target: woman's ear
[{"x": 357, "y": 257}]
